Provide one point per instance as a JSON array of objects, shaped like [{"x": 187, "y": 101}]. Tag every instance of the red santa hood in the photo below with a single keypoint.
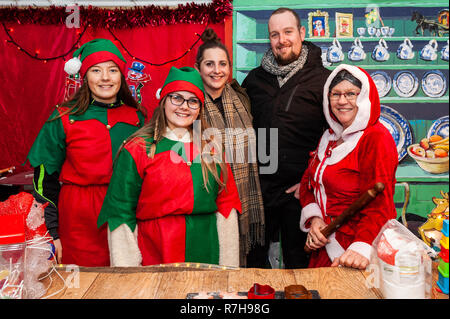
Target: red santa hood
[{"x": 368, "y": 102}]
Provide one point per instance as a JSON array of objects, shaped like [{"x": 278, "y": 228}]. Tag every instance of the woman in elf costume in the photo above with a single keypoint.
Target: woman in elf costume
[
  {"x": 172, "y": 198},
  {"x": 76, "y": 147},
  {"x": 354, "y": 154},
  {"x": 227, "y": 108}
]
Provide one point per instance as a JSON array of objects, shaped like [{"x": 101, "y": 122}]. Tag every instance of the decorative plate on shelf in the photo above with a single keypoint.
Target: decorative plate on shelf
[
  {"x": 382, "y": 81},
  {"x": 434, "y": 83},
  {"x": 399, "y": 128},
  {"x": 439, "y": 127},
  {"x": 405, "y": 83}
]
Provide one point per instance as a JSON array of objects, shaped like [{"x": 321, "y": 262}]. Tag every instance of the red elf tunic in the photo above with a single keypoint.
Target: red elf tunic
[
  {"x": 165, "y": 198},
  {"x": 338, "y": 175},
  {"x": 81, "y": 148}
]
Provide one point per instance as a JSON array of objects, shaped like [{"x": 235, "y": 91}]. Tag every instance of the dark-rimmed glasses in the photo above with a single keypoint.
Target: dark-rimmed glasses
[
  {"x": 349, "y": 96},
  {"x": 178, "y": 100}
]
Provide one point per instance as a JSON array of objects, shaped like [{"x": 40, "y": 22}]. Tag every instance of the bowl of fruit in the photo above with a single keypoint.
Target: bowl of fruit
[{"x": 431, "y": 154}]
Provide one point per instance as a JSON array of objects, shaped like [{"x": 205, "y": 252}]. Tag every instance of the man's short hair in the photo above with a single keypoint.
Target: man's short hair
[{"x": 283, "y": 10}]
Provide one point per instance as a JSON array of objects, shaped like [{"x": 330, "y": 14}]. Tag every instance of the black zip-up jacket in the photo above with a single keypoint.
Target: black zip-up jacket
[{"x": 295, "y": 110}]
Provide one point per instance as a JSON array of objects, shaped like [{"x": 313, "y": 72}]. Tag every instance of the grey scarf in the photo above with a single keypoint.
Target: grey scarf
[{"x": 283, "y": 72}]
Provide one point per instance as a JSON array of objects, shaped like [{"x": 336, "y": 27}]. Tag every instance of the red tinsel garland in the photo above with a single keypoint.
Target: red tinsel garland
[{"x": 120, "y": 18}]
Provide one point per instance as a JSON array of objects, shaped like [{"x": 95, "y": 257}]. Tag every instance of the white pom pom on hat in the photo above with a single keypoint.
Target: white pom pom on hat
[
  {"x": 72, "y": 66},
  {"x": 93, "y": 52},
  {"x": 158, "y": 93}
]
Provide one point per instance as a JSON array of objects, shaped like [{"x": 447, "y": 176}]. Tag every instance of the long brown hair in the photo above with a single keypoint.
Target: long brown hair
[
  {"x": 79, "y": 102},
  {"x": 156, "y": 128}
]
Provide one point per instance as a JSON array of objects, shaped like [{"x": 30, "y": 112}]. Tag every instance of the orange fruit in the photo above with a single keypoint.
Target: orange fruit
[
  {"x": 440, "y": 153},
  {"x": 435, "y": 138}
]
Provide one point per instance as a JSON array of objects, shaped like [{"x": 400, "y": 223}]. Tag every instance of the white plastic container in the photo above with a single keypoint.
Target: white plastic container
[{"x": 403, "y": 282}]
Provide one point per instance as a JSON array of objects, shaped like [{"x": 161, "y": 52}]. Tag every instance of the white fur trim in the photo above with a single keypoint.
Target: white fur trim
[
  {"x": 333, "y": 248},
  {"x": 158, "y": 93},
  {"x": 341, "y": 151},
  {"x": 310, "y": 210},
  {"x": 123, "y": 247},
  {"x": 72, "y": 66},
  {"x": 361, "y": 248},
  {"x": 228, "y": 231}
]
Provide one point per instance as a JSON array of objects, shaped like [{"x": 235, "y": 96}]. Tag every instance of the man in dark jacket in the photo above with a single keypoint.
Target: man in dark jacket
[{"x": 286, "y": 98}]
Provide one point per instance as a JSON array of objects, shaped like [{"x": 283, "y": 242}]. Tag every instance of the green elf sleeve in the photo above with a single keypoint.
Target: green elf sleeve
[
  {"x": 49, "y": 148},
  {"x": 141, "y": 118},
  {"x": 119, "y": 206}
]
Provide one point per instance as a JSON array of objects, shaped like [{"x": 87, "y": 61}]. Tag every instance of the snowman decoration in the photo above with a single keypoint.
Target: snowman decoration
[{"x": 137, "y": 78}]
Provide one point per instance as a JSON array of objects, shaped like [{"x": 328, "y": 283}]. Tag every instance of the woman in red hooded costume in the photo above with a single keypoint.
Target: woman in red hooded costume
[{"x": 356, "y": 152}]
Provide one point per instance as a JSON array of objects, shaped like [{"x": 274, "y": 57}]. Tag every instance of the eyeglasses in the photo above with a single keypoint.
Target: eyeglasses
[
  {"x": 349, "y": 96},
  {"x": 178, "y": 100}
]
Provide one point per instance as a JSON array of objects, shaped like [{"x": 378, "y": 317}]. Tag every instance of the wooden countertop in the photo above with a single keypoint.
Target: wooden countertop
[
  {"x": 175, "y": 281},
  {"x": 157, "y": 283}
]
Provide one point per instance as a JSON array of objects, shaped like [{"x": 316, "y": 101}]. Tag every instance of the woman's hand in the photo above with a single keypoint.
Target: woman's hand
[
  {"x": 315, "y": 238},
  {"x": 295, "y": 189},
  {"x": 58, "y": 250},
  {"x": 351, "y": 258}
]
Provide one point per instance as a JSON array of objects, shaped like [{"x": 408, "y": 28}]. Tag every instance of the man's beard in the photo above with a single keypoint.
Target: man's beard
[{"x": 286, "y": 60}]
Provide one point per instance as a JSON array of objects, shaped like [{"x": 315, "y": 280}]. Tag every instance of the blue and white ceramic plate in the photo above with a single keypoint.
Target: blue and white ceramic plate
[
  {"x": 439, "y": 127},
  {"x": 434, "y": 83},
  {"x": 399, "y": 128},
  {"x": 382, "y": 81},
  {"x": 405, "y": 83}
]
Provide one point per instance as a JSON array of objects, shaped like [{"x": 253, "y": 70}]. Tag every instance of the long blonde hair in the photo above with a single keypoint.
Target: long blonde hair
[{"x": 156, "y": 128}]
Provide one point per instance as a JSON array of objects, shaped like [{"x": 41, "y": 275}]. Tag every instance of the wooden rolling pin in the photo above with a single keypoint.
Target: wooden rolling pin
[
  {"x": 359, "y": 204},
  {"x": 7, "y": 170}
]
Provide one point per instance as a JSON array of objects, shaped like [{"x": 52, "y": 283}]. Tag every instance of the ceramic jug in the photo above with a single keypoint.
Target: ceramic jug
[
  {"x": 356, "y": 52},
  {"x": 405, "y": 51},
  {"x": 381, "y": 53},
  {"x": 334, "y": 53},
  {"x": 444, "y": 52},
  {"x": 429, "y": 51}
]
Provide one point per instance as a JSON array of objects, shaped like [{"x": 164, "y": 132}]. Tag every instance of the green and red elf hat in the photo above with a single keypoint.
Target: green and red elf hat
[
  {"x": 93, "y": 52},
  {"x": 183, "y": 79}
]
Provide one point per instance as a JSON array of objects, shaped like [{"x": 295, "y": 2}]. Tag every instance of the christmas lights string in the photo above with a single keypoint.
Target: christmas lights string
[
  {"x": 117, "y": 19},
  {"x": 36, "y": 53},
  {"x": 158, "y": 64},
  {"x": 77, "y": 44}
]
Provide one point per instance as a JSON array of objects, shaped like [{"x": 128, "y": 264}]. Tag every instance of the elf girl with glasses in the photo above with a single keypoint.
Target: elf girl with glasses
[
  {"x": 172, "y": 198},
  {"x": 73, "y": 153}
]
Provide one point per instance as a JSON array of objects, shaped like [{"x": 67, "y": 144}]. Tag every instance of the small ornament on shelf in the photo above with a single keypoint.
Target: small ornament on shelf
[
  {"x": 344, "y": 25},
  {"x": 318, "y": 24},
  {"x": 429, "y": 51}
]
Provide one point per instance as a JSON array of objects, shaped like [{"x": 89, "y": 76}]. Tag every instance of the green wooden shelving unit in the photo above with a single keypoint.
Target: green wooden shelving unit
[{"x": 250, "y": 41}]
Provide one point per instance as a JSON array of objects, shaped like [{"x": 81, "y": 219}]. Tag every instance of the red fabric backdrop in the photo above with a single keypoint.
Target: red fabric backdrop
[{"x": 31, "y": 88}]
